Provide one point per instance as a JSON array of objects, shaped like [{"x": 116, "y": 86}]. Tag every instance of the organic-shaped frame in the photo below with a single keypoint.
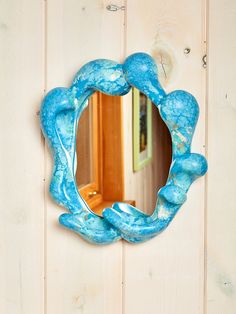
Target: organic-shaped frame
[{"x": 60, "y": 113}]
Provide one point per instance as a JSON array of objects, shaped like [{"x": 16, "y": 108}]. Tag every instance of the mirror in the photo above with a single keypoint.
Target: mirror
[
  {"x": 96, "y": 160},
  {"x": 114, "y": 184}
]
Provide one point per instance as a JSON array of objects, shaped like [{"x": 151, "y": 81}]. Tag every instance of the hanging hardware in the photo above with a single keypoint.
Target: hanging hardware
[
  {"x": 114, "y": 7},
  {"x": 204, "y": 60},
  {"x": 187, "y": 51}
]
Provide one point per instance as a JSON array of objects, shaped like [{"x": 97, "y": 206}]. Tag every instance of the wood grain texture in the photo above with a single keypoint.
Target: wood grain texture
[
  {"x": 81, "y": 278},
  {"x": 45, "y": 269},
  {"x": 22, "y": 158},
  {"x": 166, "y": 275},
  {"x": 221, "y": 208}
]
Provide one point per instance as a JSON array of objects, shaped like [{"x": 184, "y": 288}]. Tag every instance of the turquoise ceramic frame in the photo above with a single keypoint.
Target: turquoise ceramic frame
[
  {"x": 60, "y": 113},
  {"x": 137, "y": 163}
]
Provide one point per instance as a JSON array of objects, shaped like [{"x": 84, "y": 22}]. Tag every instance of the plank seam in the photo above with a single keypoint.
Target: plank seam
[
  {"x": 206, "y": 6},
  {"x": 45, "y": 164}
]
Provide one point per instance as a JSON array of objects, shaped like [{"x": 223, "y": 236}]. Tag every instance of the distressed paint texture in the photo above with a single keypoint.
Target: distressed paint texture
[{"x": 60, "y": 113}]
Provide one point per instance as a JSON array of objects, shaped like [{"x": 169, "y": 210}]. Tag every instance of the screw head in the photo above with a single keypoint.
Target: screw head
[{"x": 187, "y": 51}]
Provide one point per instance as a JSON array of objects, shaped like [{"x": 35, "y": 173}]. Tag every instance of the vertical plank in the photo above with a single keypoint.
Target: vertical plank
[
  {"x": 81, "y": 278},
  {"x": 221, "y": 214},
  {"x": 22, "y": 157},
  {"x": 165, "y": 275}
]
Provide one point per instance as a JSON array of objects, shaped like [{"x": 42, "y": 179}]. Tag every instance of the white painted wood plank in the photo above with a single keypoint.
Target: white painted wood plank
[
  {"x": 221, "y": 208},
  {"x": 166, "y": 274},
  {"x": 22, "y": 158},
  {"x": 81, "y": 278}
]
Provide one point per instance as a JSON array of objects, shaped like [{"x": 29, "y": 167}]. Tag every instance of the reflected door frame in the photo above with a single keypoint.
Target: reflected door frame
[
  {"x": 107, "y": 152},
  {"x": 92, "y": 192}
]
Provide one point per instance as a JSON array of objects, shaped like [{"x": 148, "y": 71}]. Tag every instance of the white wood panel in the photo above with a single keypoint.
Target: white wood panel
[
  {"x": 22, "y": 161},
  {"x": 165, "y": 275},
  {"x": 81, "y": 278},
  {"x": 221, "y": 208}
]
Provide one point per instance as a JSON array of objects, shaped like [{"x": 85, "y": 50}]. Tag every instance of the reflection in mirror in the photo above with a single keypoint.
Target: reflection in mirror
[
  {"x": 88, "y": 149},
  {"x": 100, "y": 156},
  {"x": 85, "y": 164}
]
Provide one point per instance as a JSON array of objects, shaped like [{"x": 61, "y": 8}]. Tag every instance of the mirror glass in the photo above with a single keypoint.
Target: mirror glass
[
  {"x": 84, "y": 148},
  {"x": 106, "y": 168}
]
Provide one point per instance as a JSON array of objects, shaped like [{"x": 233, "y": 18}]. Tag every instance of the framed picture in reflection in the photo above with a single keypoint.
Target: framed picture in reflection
[{"x": 142, "y": 130}]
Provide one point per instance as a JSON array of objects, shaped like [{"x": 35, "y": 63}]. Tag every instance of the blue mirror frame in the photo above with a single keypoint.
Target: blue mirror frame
[{"x": 59, "y": 115}]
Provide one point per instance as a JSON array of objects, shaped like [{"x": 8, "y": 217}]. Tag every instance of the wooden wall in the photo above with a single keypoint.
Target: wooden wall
[
  {"x": 45, "y": 269},
  {"x": 221, "y": 206},
  {"x": 166, "y": 275}
]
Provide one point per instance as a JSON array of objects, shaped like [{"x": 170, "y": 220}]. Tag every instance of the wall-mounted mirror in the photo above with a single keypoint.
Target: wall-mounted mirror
[{"x": 110, "y": 184}]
